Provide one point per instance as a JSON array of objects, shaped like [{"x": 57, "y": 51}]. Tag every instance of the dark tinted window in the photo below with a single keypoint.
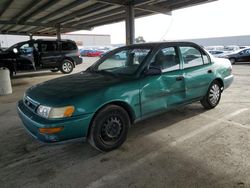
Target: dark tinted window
[
  {"x": 246, "y": 51},
  {"x": 48, "y": 46},
  {"x": 68, "y": 46}
]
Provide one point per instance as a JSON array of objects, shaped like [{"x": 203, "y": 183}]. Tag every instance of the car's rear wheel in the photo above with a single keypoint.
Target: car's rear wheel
[
  {"x": 212, "y": 98},
  {"x": 66, "y": 66},
  {"x": 232, "y": 60},
  {"x": 109, "y": 128}
]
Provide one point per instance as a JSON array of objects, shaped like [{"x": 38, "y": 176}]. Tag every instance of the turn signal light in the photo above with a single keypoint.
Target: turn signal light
[{"x": 50, "y": 130}]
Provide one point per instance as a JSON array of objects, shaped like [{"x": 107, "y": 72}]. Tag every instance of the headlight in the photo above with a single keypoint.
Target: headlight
[{"x": 49, "y": 112}]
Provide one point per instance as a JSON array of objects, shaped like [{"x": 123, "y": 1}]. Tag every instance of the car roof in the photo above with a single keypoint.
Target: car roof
[
  {"x": 155, "y": 44},
  {"x": 63, "y": 40}
]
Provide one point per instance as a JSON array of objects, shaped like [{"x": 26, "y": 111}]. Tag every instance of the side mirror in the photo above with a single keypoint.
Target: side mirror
[
  {"x": 15, "y": 50},
  {"x": 153, "y": 71}
]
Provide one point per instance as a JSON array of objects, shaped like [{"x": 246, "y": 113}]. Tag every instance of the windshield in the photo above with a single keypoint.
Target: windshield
[
  {"x": 124, "y": 61},
  {"x": 12, "y": 47}
]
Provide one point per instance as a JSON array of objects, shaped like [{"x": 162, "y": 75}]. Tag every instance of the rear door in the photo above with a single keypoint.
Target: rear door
[
  {"x": 49, "y": 53},
  {"x": 168, "y": 89},
  {"x": 198, "y": 71}
]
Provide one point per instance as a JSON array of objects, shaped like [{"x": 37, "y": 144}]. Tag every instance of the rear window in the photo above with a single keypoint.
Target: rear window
[{"x": 68, "y": 46}]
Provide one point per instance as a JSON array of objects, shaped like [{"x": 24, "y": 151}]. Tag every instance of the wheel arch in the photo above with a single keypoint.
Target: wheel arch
[
  {"x": 68, "y": 58},
  {"x": 122, "y": 104},
  {"x": 220, "y": 81}
]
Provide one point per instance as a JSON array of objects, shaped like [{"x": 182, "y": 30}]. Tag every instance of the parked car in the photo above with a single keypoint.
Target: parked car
[
  {"x": 220, "y": 48},
  {"x": 242, "y": 55},
  {"x": 41, "y": 54},
  {"x": 102, "y": 102},
  {"x": 216, "y": 53},
  {"x": 84, "y": 51},
  {"x": 242, "y": 47},
  {"x": 231, "y": 48},
  {"x": 94, "y": 53}
]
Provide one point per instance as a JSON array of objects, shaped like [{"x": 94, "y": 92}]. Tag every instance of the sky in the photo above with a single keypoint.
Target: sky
[{"x": 215, "y": 19}]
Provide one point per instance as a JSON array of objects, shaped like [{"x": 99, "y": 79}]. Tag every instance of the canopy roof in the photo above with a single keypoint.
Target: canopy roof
[{"x": 43, "y": 17}]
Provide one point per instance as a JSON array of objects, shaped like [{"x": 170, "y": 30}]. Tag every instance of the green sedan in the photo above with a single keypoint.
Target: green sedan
[{"x": 101, "y": 103}]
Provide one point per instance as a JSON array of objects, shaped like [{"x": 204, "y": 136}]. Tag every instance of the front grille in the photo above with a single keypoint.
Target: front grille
[{"x": 31, "y": 104}]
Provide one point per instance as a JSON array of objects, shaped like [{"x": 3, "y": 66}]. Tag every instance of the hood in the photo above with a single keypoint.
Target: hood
[
  {"x": 61, "y": 90},
  {"x": 6, "y": 54}
]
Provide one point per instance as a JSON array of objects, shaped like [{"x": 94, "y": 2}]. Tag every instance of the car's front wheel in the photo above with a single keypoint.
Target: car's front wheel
[
  {"x": 212, "y": 98},
  {"x": 66, "y": 66},
  {"x": 109, "y": 128}
]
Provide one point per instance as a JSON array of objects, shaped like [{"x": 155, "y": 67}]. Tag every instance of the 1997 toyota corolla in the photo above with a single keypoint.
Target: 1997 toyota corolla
[{"x": 102, "y": 102}]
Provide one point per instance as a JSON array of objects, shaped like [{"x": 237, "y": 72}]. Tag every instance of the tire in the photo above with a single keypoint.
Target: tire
[
  {"x": 66, "y": 66},
  {"x": 212, "y": 98},
  {"x": 109, "y": 128},
  {"x": 54, "y": 70},
  {"x": 232, "y": 60}
]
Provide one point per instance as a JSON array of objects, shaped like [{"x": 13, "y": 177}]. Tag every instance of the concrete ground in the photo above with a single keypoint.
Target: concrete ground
[{"x": 187, "y": 147}]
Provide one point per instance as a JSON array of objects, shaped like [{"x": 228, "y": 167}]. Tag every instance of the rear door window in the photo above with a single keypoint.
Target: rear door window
[
  {"x": 68, "y": 46},
  {"x": 49, "y": 46},
  {"x": 193, "y": 57}
]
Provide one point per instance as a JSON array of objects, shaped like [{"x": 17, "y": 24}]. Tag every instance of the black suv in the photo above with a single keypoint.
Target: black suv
[{"x": 40, "y": 54}]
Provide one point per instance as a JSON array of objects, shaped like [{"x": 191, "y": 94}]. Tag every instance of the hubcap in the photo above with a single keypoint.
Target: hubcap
[
  {"x": 111, "y": 129},
  {"x": 67, "y": 67},
  {"x": 214, "y": 94}
]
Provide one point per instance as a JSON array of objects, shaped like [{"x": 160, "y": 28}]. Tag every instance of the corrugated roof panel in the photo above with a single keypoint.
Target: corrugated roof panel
[{"x": 42, "y": 17}]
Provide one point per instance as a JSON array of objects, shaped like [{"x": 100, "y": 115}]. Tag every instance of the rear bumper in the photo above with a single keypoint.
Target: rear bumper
[
  {"x": 74, "y": 127},
  {"x": 77, "y": 60},
  {"x": 228, "y": 81}
]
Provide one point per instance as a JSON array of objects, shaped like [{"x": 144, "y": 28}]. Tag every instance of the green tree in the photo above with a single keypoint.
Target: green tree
[{"x": 139, "y": 39}]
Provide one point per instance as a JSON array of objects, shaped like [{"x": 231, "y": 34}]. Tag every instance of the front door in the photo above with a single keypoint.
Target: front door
[
  {"x": 25, "y": 58},
  {"x": 244, "y": 56},
  {"x": 160, "y": 92}
]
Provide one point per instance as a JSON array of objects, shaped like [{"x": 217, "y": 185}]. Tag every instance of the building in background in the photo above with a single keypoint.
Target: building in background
[
  {"x": 81, "y": 40},
  {"x": 243, "y": 40}
]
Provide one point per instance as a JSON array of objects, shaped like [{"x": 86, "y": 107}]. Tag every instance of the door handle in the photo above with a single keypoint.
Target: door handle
[
  {"x": 179, "y": 78},
  {"x": 209, "y": 71}
]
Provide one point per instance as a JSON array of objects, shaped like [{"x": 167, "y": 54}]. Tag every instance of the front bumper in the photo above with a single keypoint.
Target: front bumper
[{"x": 73, "y": 127}]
